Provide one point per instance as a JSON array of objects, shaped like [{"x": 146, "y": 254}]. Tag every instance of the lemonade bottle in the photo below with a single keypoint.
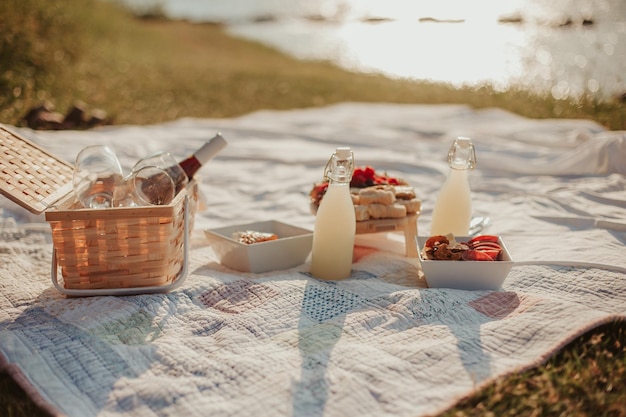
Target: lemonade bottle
[
  {"x": 453, "y": 208},
  {"x": 335, "y": 223}
]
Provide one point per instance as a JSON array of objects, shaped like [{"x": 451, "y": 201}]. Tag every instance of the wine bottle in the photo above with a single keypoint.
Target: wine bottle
[
  {"x": 193, "y": 163},
  {"x": 184, "y": 171},
  {"x": 170, "y": 176}
]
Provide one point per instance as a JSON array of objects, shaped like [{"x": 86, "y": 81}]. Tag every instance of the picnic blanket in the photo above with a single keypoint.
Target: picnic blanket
[{"x": 285, "y": 344}]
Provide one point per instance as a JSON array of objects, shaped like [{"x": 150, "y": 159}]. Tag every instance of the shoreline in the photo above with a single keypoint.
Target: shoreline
[{"x": 569, "y": 54}]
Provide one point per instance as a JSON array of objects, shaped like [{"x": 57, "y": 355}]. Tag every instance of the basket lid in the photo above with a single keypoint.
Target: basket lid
[{"x": 30, "y": 176}]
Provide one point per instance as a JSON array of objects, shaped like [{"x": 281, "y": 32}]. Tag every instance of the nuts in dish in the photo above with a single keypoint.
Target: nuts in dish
[
  {"x": 446, "y": 248},
  {"x": 252, "y": 236},
  {"x": 291, "y": 248}
]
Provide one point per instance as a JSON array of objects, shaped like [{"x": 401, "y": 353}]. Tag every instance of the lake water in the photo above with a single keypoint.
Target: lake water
[{"x": 565, "y": 47}]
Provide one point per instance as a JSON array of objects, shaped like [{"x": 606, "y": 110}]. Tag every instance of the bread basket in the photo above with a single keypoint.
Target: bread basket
[{"x": 115, "y": 251}]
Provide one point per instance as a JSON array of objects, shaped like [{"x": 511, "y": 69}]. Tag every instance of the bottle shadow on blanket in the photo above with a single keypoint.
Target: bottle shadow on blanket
[
  {"x": 471, "y": 318},
  {"x": 324, "y": 309},
  {"x": 477, "y": 341}
]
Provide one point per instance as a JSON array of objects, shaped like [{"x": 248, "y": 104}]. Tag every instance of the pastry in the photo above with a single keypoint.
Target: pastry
[
  {"x": 386, "y": 211},
  {"x": 412, "y": 206},
  {"x": 404, "y": 192},
  {"x": 361, "y": 213},
  {"x": 377, "y": 195},
  {"x": 374, "y": 196}
]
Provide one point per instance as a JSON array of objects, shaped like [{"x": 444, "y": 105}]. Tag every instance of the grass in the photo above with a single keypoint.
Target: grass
[
  {"x": 144, "y": 71},
  {"x": 150, "y": 70},
  {"x": 587, "y": 378}
]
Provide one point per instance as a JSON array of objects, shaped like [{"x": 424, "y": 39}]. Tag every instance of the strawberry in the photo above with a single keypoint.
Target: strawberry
[
  {"x": 369, "y": 172},
  {"x": 475, "y": 255},
  {"x": 486, "y": 244},
  {"x": 484, "y": 238}
]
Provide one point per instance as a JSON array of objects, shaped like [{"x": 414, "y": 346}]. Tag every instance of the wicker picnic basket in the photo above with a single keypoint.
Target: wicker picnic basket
[{"x": 123, "y": 250}]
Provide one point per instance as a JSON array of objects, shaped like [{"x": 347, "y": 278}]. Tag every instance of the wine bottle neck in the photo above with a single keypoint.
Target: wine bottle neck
[{"x": 192, "y": 164}]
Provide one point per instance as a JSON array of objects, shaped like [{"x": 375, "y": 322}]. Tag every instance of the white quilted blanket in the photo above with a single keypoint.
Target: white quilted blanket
[{"x": 285, "y": 344}]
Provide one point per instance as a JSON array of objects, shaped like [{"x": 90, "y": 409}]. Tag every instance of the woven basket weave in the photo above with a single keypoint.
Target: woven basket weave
[
  {"x": 120, "y": 247},
  {"x": 112, "y": 248}
]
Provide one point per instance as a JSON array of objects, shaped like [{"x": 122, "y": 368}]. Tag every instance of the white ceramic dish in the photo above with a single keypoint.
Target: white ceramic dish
[
  {"x": 465, "y": 275},
  {"x": 290, "y": 249}
]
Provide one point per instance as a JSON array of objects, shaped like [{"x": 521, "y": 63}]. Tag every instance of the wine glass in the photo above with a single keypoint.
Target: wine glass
[
  {"x": 148, "y": 185},
  {"x": 166, "y": 162},
  {"x": 97, "y": 175}
]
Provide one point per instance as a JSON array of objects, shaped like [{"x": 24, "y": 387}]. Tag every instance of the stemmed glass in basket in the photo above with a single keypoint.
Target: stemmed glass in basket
[
  {"x": 99, "y": 180},
  {"x": 97, "y": 176},
  {"x": 154, "y": 180},
  {"x": 145, "y": 186}
]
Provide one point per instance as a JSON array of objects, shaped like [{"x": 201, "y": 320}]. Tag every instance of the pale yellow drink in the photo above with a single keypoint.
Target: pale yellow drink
[
  {"x": 335, "y": 226},
  {"x": 453, "y": 209}
]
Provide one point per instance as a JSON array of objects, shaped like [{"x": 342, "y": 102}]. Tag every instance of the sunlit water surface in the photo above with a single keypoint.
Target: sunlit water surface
[{"x": 564, "y": 47}]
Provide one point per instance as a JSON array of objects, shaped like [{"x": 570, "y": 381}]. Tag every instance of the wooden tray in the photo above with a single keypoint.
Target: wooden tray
[{"x": 407, "y": 224}]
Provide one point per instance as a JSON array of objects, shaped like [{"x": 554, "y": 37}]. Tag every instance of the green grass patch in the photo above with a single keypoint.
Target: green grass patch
[
  {"x": 149, "y": 70},
  {"x": 587, "y": 378}
]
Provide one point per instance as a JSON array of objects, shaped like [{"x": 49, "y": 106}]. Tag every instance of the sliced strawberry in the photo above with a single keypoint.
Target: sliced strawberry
[
  {"x": 492, "y": 249},
  {"x": 484, "y": 238},
  {"x": 493, "y": 254},
  {"x": 474, "y": 255},
  {"x": 485, "y": 245}
]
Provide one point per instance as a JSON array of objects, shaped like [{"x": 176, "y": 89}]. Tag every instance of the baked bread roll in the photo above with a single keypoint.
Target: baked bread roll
[
  {"x": 377, "y": 195},
  {"x": 412, "y": 206},
  {"x": 404, "y": 192},
  {"x": 386, "y": 211},
  {"x": 361, "y": 213}
]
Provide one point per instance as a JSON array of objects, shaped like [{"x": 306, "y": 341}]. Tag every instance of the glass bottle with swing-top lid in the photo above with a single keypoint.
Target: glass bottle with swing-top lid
[
  {"x": 335, "y": 223},
  {"x": 453, "y": 208}
]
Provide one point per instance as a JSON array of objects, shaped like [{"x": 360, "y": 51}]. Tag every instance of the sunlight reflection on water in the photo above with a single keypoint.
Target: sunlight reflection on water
[{"x": 565, "y": 47}]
